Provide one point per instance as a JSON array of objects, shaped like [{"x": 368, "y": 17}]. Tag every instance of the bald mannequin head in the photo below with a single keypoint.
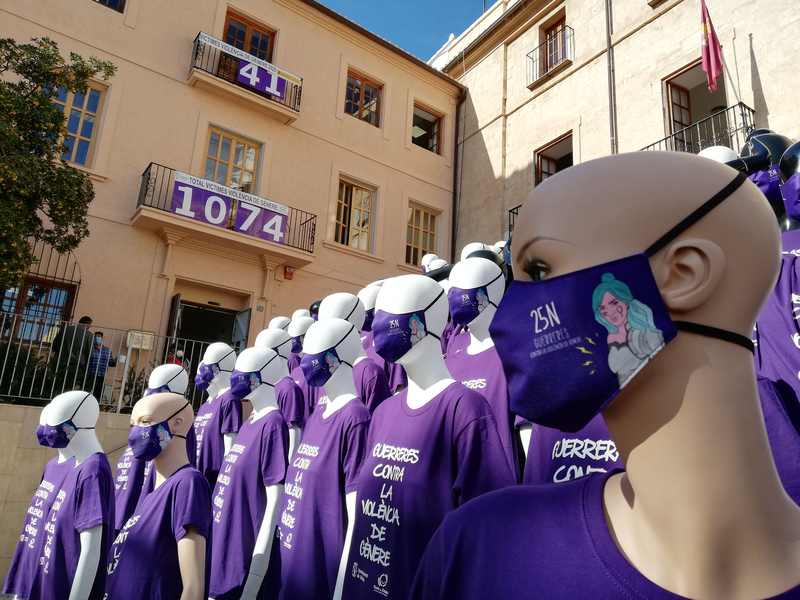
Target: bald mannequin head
[
  {"x": 158, "y": 407},
  {"x": 718, "y": 272}
]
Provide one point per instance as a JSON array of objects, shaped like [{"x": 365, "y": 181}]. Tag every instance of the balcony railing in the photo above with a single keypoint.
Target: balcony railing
[
  {"x": 558, "y": 50},
  {"x": 214, "y": 204},
  {"x": 512, "y": 217},
  {"x": 728, "y": 127},
  {"x": 239, "y": 68}
]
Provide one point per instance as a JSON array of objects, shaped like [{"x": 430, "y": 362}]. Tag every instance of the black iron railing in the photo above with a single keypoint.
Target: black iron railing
[
  {"x": 728, "y": 127},
  {"x": 222, "y": 60},
  {"x": 557, "y": 48},
  {"x": 512, "y": 217},
  {"x": 158, "y": 185}
]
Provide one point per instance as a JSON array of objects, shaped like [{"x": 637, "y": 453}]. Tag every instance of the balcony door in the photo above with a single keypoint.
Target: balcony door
[{"x": 246, "y": 35}]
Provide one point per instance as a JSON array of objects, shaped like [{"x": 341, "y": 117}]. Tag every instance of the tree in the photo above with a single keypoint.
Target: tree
[{"x": 41, "y": 196}]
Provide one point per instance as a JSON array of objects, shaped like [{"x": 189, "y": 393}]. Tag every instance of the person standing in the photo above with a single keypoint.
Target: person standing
[{"x": 99, "y": 360}]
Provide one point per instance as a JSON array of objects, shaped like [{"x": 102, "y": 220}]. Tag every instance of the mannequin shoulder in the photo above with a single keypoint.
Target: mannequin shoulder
[
  {"x": 95, "y": 465},
  {"x": 355, "y": 412},
  {"x": 190, "y": 478},
  {"x": 465, "y": 401}
]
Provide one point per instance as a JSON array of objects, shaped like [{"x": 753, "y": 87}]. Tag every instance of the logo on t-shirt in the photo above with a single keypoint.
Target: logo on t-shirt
[{"x": 475, "y": 384}]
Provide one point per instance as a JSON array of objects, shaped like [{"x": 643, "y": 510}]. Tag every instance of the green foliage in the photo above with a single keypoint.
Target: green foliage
[{"x": 41, "y": 196}]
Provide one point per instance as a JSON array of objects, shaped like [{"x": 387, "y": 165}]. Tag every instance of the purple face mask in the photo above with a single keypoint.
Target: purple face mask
[
  {"x": 569, "y": 344},
  {"x": 395, "y": 334},
  {"x": 467, "y": 304},
  {"x": 790, "y": 191},
  {"x": 59, "y": 436},
  {"x": 319, "y": 367},
  {"x": 243, "y": 383},
  {"x": 368, "y": 317},
  {"x": 768, "y": 181},
  {"x": 297, "y": 344},
  {"x": 147, "y": 441},
  {"x": 161, "y": 388}
]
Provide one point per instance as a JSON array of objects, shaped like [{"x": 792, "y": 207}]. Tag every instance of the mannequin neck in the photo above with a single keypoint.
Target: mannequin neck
[
  {"x": 479, "y": 331},
  {"x": 83, "y": 445},
  {"x": 427, "y": 374},
  {"x": 263, "y": 401},
  {"x": 685, "y": 484},
  {"x": 170, "y": 459},
  {"x": 63, "y": 455},
  {"x": 340, "y": 389},
  {"x": 220, "y": 383},
  {"x": 358, "y": 357}
]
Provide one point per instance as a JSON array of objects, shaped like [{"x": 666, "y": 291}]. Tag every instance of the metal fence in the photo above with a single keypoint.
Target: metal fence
[
  {"x": 208, "y": 56},
  {"x": 557, "y": 49},
  {"x": 512, "y": 217},
  {"x": 41, "y": 358},
  {"x": 728, "y": 127},
  {"x": 158, "y": 182}
]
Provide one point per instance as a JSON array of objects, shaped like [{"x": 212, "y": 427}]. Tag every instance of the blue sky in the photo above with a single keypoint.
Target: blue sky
[{"x": 418, "y": 26}]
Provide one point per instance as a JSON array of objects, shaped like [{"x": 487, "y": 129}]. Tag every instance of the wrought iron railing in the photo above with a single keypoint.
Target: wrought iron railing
[
  {"x": 557, "y": 49},
  {"x": 158, "y": 188},
  {"x": 224, "y": 61},
  {"x": 727, "y": 127},
  {"x": 512, "y": 217}
]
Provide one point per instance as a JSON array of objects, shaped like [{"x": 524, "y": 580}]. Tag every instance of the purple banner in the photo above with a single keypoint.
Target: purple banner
[
  {"x": 215, "y": 204},
  {"x": 262, "y": 80}
]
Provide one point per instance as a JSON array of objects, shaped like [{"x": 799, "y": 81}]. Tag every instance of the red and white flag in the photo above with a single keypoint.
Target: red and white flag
[{"x": 711, "y": 49}]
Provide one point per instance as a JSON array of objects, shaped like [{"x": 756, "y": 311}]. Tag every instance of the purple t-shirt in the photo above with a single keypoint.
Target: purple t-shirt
[
  {"x": 420, "y": 464},
  {"x": 150, "y": 473},
  {"x": 293, "y": 361},
  {"x": 782, "y": 420},
  {"x": 85, "y": 500},
  {"x": 483, "y": 372},
  {"x": 371, "y": 383},
  {"x": 25, "y": 562},
  {"x": 214, "y": 419},
  {"x": 128, "y": 481},
  {"x": 556, "y": 456},
  {"x": 311, "y": 395},
  {"x": 257, "y": 459},
  {"x": 531, "y": 542},
  {"x": 290, "y": 402},
  {"x": 313, "y": 520},
  {"x": 395, "y": 374},
  {"x": 143, "y": 560}
]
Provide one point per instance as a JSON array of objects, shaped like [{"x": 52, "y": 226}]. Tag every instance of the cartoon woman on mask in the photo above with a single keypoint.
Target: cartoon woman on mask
[
  {"x": 633, "y": 337},
  {"x": 417, "y": 329},
  {"x": 331, "y": 361},
  {"x": 482, "y": 299}
]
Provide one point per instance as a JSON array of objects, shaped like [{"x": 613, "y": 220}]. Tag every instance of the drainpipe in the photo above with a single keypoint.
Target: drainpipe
[
  {"x": 612, "y": 92},
  {"x": 457, "y": 165}
]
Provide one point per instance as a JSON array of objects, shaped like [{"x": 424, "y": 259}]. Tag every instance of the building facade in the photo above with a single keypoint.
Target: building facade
[
  {"x": 248, "y": 158},
  {"x": 556, "y": 82}
]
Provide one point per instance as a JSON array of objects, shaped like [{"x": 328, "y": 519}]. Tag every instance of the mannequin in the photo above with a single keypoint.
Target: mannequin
[
  {"x": 279, "y": 322},
  {"x": 687, "y": 425},
  {"x": 301, "y": 312},
  {"x": 426, "y": 260},
  {"x": 135, "y": 478},
  {"x": 321, "y": 478},
  {"x": 430, "y": 447},
  {"x": 472, "y": 247},
  {"x": 477, "y": 288},
  {"x": 372, "y": 385},
  {"x": 296, "y": 330},
  {"x": 311, "y": 395},
  {"x": 395, "y": 375},
  {"x": 249, "y": 488},
  {"x": 161, "y": 550},
  {"x": 289, "y": 395},
  {"x": 790, "y": 187},
  {"x": 721, "y": 154},
  {"x": 81, "y": 517},
  {"x": 25, "y": 561},
  {"x": 313, "y": 309},
  {"x": 219, "y": 418}
]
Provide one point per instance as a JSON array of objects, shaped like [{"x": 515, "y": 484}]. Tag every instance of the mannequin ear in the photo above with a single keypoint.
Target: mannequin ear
[{"x": 689, "y": 272}]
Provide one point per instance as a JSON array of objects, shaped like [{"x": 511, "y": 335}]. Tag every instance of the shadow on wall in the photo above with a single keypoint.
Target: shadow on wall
[{"x": 759, "y": 101}]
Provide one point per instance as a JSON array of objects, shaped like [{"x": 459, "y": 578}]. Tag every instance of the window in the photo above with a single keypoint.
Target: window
[
  {"x": 420, "y": 234},
  {"x": 363, "y": 98},
  {"x": 354, "y": 215},
  {"x": 231, "y": 160},
  {"x": 40, "y": 303},
  {"x": 555, "y": 37},
  {"x": 553, "y": 157},
  {"x": 249, "y": 36},
  {"x": 426, "y": 129},
  {"x": 117, "y": 5},
  {"x": 81, "y": 111}
]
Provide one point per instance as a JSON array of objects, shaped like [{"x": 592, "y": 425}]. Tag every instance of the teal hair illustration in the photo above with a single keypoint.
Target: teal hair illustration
[{"x": 639, "y": 315}]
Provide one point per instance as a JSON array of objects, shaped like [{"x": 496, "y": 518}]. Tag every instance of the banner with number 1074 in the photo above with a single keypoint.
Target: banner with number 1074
[{"x": 215, "y": 204}]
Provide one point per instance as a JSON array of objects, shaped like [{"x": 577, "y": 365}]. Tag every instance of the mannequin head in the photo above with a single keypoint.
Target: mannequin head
[
  {"x": 472, "y": 247},
  {"x": 436, "y": 263},
  {"x": 159, "y": 424},
  {"x": 313, "y": 309},
  {"x": 279, "y": 322},
  {"x": 343, "y": 305},
  {"x": 262, "y": 368},
  {"x": 72, "y": 417},
  {"x": 300, "y": 312},
  {"x": 330, "y": 350},
  {"x": 706, "y": 275},
  {"x": 425, "y": 261},
  {"x": 368, "y": 295},
  {"x": 214, "y": 371},
  {"x": 157, "y": 408},
  {"x": 413, "y": 294},
  {"x": 168, "y": 378},
  {"x": 721, "y": 154},
  {"x": 334, "y": 333},
  {"x": 476, "y": 274},
  {"x": 274, "y": 339},
  {"x": 297, "y": 330}
]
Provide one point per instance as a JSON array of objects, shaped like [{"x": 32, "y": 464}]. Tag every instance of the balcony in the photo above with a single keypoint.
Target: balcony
[
  {"x": 203, "y": 209},
  {"x": 223, "y": 68},
  {"x": 552, "y": 56},
  {"x": 512, "y": 218},
  {"x": 727, "y": 127}
]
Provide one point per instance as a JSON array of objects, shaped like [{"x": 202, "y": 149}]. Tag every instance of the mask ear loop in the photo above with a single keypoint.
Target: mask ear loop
[
  {"x": 683, "y": 225},
  {"x": 272, "y": 385},
  {"x": 424, "y": 310},
  {"x": 77, "y": 408},
  {"x": 220, "y": 361},
  {"x": 352, "y": 327},
  {"x": 172, "y": 415},
  {"x": 352, "y": 310},
  {"x": 278, "y": 353}
]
